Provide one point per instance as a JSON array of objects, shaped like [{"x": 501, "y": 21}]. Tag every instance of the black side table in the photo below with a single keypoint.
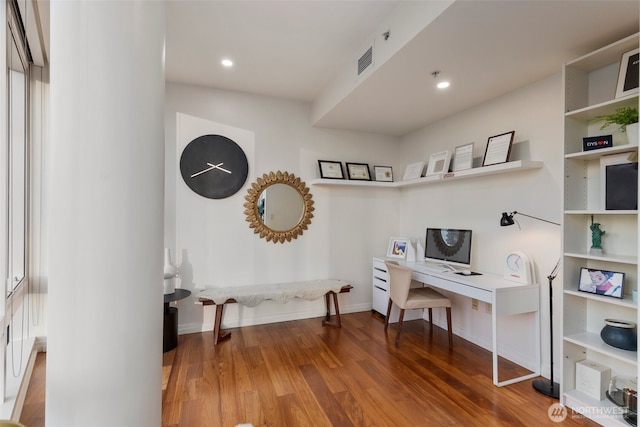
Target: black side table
[{"x": 170, "y": 329}]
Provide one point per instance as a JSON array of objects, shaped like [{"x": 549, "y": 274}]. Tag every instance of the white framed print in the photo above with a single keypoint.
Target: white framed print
[
  {"x": 463, "y": 157},
  {"x": 628, "y": 74},
  {"x": 413, "y": 171},
  {"x": 383, "y": 173},
  {"x": 397, "y": 247},
  {"x": 439, "y": 163}
]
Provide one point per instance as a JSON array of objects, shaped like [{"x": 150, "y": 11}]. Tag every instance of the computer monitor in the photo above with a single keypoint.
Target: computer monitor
[{"x": 448, "y": 246}]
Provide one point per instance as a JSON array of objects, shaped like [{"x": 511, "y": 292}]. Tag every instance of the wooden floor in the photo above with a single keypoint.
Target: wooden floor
[{"x": 302, "y": 374}]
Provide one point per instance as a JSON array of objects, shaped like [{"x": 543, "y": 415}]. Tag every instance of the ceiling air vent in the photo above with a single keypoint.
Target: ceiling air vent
[{"x": 365, "y": 60}]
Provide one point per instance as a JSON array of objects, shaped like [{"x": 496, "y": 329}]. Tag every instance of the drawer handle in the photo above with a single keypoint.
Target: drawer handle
[
  {"x": 379, "y": 269},
  {"x": 381, "y": 279},
  {"x": 378, "y": 287}
]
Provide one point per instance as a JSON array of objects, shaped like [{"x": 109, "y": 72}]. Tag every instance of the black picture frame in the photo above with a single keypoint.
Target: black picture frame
[
  {"x": 601, "y": 282},
  {"x": 358, "y": 171},
  {"x": 498, "y": 149},
  {"x": 330, "y": 169}
]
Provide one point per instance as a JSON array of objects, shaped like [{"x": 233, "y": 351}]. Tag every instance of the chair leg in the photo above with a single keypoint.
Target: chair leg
[
  {"x": 449, "y": 327},
  {"x": 431, "y": 318},
  {"x": 399, "y": 326},
  {"x": 386, "y": 319}
]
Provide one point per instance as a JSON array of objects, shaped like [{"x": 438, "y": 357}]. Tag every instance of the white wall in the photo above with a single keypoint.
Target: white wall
[
  {"x": 535, "y": 113},
  {"x": 349, "y": 226},
  {"x": 105, "y": 219},
  {"x": 353, "y": 224}
]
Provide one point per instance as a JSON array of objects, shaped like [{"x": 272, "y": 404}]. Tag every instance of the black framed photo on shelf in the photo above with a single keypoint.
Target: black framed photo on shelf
[
  {"x": 330, "y": 169},
  {"x": 358, "y": 171},
  {"x": 498, "y": 149},
  {"x": 601, "y": 282},
  {"x": 383, "y": 173}
]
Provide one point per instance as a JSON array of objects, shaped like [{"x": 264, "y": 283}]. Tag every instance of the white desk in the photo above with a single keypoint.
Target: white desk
[{"x": 506, "y": 298}]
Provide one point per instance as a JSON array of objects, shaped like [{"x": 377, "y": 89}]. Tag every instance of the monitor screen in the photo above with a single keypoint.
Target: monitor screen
[{"x": 448, "y": 245}]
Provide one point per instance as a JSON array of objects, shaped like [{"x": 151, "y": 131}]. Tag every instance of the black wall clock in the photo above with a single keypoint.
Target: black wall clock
[{"x": 214, "y": 166}]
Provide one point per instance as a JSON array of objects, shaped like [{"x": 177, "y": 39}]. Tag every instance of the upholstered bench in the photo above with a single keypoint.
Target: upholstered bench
[{"x": 253, "y": 295}]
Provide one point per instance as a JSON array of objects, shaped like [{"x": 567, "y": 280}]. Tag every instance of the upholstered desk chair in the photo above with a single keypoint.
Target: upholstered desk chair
[{"x": 407, "y": 298}]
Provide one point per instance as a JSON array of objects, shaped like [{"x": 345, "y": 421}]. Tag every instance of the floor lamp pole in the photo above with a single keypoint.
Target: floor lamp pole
[{"x": 544, "y": 386}]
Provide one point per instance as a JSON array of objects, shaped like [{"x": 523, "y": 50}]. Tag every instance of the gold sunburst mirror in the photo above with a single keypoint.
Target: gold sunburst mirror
[{"x": 278, "y": 207}]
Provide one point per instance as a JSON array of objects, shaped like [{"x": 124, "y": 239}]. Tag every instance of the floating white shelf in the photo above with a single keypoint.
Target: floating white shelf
[{"x": 515, "y": 166}]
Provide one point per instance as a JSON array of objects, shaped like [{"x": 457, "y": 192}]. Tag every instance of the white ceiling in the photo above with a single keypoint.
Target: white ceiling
[{"x": 294, "y": 49}]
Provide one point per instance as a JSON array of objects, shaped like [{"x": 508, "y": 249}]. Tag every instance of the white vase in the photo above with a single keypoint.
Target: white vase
[
  {"x": 411, "y": 252},
  {"x": 170, "y": 273},
  {"x": 632, "y": 133},
  {"x": 419, "y": 251}
]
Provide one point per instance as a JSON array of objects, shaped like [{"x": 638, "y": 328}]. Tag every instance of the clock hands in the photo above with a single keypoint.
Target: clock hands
[
  {"x": 211, "y": 167},
  {"x": 218, "y": 167}
]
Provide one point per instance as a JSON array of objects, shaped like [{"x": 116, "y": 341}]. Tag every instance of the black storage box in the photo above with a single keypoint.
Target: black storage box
[{"x": 622, "y": 187}]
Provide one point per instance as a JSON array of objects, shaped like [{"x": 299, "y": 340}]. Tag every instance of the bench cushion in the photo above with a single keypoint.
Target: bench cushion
[{"x": 252, "y": 295}]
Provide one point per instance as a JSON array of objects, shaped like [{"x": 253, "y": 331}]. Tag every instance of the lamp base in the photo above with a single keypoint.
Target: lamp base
[{"x": 547, "y": 388}]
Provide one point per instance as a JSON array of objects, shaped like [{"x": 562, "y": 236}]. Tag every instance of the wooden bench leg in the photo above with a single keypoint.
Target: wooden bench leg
[
  {"x": 219, "y": 336},
  {"x": 327, "y": 320}
]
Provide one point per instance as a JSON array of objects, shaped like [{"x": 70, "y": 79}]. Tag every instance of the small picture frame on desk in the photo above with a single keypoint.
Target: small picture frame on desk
[
  {"x": 358, "y": 171},
  {"x": 330, "y": 169},
  {"x": 397, "y": 247},
  {"x": 383, "y": 173},
  {"x": 628, "y": 74},
  {"x": 498, "y": 149}
]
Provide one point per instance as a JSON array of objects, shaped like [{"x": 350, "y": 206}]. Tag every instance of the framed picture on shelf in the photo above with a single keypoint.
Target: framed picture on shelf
[
  {"x": 358, "y": 171},
  {"x": 601, "y": 282},
  {"x": 463, "y": 157},
  {"x": 397, "y": 247},
  {"x": 383, "y": 173},
  {"x": 413, "y": 171},
  {"x": 330, "y": 169},
  {"x": 439, "y": 163},
  {"x": 628, "y": 74},
  {"x": 498, "y": 149}
]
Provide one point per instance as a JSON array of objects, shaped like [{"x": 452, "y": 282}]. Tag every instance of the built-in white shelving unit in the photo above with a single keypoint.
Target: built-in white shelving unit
[
  {"x": 509, "y": 167},
  {"x": 590, "y": 86}
]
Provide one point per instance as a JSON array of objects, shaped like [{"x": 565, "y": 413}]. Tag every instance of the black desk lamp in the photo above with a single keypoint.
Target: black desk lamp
[{"x": 544, "y": 386}]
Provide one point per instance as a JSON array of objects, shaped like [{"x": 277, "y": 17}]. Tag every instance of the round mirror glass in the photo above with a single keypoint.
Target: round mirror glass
[{"x": 279, "y": 207}]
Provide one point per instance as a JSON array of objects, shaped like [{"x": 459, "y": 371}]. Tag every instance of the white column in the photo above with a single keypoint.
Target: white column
[{"x": 104, "y": 345}]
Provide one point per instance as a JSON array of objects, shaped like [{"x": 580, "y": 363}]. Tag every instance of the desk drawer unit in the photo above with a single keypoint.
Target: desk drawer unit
[{"x": 380, "y": 301}]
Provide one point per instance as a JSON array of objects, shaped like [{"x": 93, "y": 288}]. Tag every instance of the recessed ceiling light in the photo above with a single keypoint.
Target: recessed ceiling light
[
  {"x": 227, "y": 63},
  {"x": 442, "y": 84}
]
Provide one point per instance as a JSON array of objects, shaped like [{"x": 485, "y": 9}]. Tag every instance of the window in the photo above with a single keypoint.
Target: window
[{"x": 17, "y": 143}]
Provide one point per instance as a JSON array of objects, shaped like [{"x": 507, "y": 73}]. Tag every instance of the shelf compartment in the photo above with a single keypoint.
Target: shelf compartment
[
  {"x": 620, "y": 241},
  {"x": 626, "y": 302},
  {"x": 592, "y": 341},
  {"x": 604, "y": 412}
]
